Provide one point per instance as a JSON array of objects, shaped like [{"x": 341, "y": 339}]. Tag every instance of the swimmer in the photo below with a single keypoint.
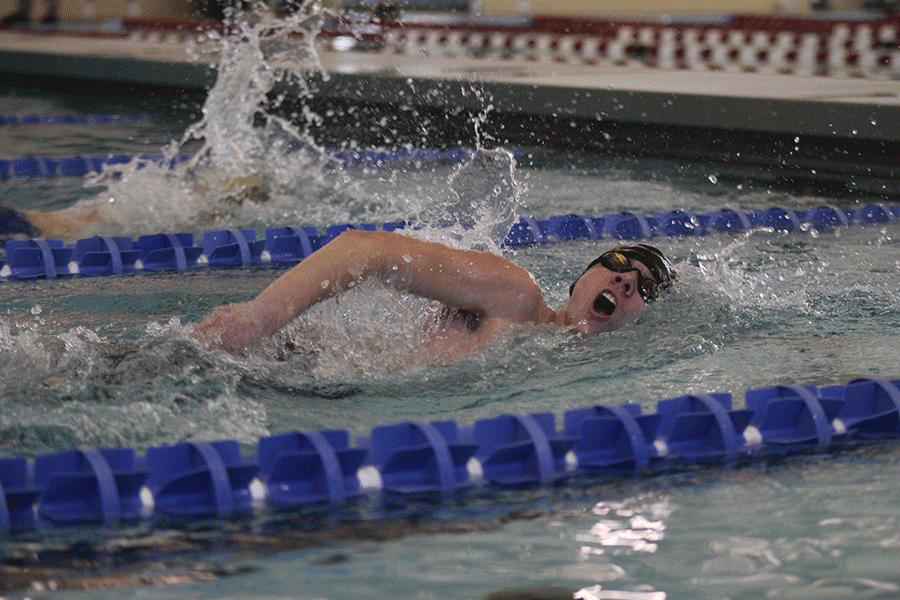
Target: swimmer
[
  {"x": 68, "y": 222},
  {"x": 483, "y": 294}
]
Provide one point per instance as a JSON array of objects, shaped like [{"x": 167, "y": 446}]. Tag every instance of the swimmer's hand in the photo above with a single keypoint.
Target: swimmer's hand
[{"x": 233, "y": 327}]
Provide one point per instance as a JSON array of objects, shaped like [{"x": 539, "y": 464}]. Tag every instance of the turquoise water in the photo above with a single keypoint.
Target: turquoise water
[{"x": 110, "y": 361}]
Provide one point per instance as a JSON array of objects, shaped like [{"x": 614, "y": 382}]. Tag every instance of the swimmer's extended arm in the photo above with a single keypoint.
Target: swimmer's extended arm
[
  {"x": 63, "y": 224},
  {"x": 477, "y": 281}
]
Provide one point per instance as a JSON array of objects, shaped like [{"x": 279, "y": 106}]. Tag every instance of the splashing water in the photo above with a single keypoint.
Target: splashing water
[
  {"x": 251, "y": 166},
  {"x": 76, "y": 387},
  {"x": 486, "y": 199}
]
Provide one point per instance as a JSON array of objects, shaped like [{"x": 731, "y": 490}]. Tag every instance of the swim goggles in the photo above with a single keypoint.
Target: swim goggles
[{"x": 618, "y": 262}]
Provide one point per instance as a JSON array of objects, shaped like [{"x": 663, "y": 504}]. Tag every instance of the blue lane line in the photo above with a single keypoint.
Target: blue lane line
[
  {"x": 440, "y": 460},
  {"x": 284, "y": 246},
  {"x": 73, "y": 119},
  {"x": 38, "y": 167}
]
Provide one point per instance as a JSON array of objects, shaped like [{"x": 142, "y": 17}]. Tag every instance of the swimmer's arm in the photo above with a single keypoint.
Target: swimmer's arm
[
  {"x": 62, "y": 224},
  {"x": 461, "y": 278},
  {"x": 477, "y": 281},
  {"x": 325, "y": 273}
]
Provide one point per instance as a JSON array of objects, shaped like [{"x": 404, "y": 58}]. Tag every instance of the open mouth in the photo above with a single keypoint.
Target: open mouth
[{"x": 605, "y": 304}]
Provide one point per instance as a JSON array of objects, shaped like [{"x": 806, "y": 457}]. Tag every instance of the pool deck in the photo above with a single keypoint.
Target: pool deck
[{"x": 859, "y": 115}]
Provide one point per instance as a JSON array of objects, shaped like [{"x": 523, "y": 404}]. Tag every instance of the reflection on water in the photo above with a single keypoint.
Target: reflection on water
[
  {"x": 633, "y": 525},
  {"x": 598, "y": 593}
]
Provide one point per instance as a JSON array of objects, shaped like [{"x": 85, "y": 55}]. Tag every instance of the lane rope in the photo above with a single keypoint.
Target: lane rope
[
  {"x": 441, "y": 461},
  {"x": 285, "y": 246}
]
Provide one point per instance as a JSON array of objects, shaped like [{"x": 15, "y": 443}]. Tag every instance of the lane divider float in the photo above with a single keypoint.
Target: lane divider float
[
  {"x": 440, "y": 460},
  {"x": 75, "y": 119},
  {"x": 286, "y": 246},
  {"x": 45, "y": 167}
]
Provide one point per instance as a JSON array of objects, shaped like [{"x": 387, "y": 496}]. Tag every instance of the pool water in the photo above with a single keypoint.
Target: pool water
[{"x": 111, "y": 361}]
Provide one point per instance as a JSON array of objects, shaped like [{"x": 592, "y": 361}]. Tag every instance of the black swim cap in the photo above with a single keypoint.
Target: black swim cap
[{"x": 653, "y": 258}]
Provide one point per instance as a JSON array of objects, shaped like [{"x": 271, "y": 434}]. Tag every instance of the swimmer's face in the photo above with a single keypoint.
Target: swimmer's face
[{"x": 604, "y": 300}]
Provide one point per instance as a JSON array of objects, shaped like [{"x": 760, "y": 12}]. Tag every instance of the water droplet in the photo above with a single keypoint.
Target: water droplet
[
  {"x": 713, "y": 179},
  {"x": 36, "y": 309},
  {"x": 325, "y": 284},
  {"x": 407, "y": 258}
]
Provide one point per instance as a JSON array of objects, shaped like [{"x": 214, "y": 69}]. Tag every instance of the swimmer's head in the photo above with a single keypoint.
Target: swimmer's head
[
  {"x": 619, "y": 260},
  {"x": 615, "y": 288}
]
